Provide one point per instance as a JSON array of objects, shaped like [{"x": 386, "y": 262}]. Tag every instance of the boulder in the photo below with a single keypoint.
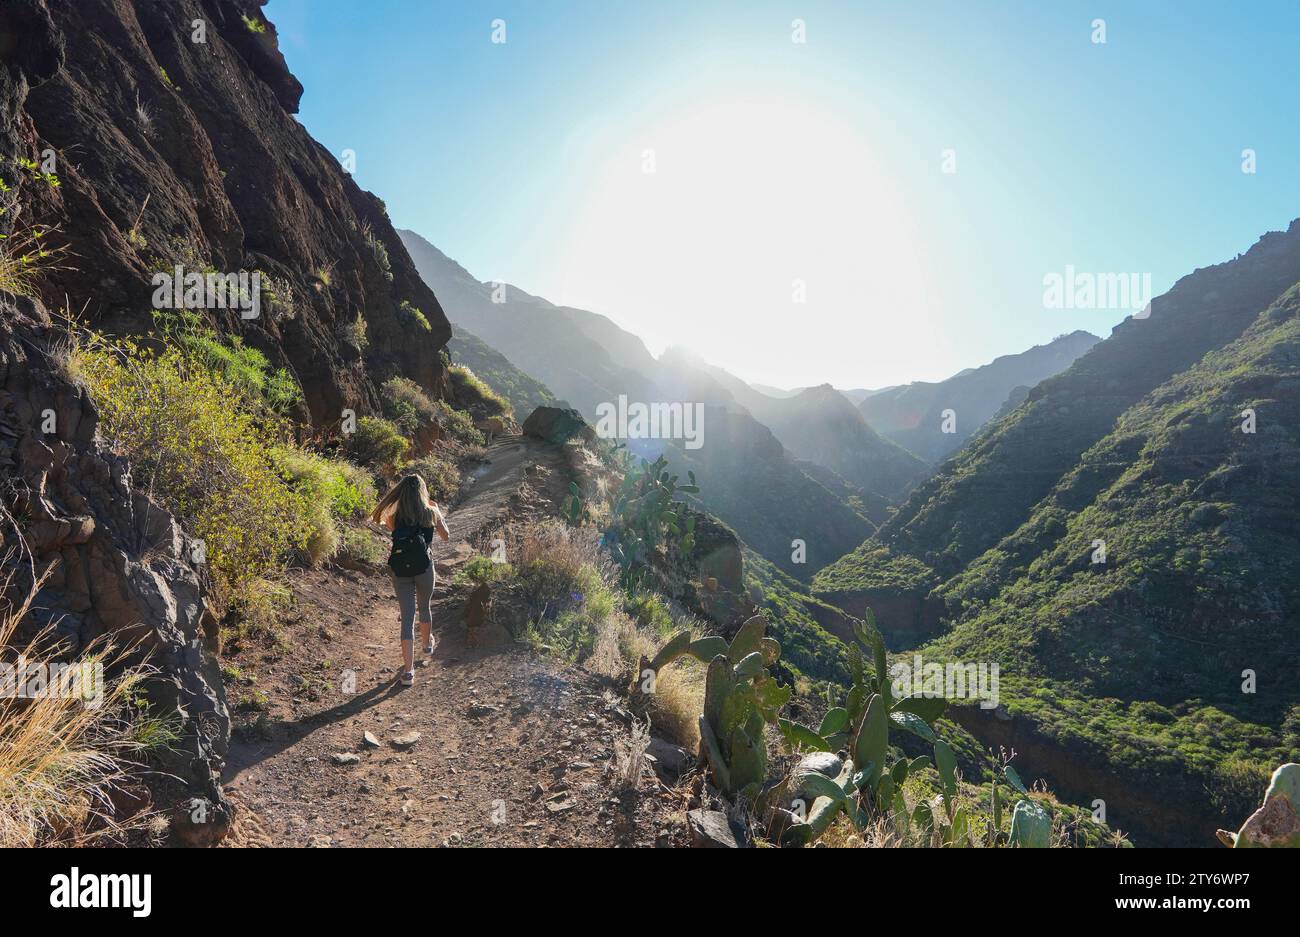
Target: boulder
[
  {"x": 711, "y": 830},
  {"x": 827, "y": 763},
  {"x": 558, "y": 425},
  {"x": 719, "y": 553},
  {"x": 199, "y": 822},
  {"x": 670, "y": 760},
  {"x": 1277, "y": 822}
]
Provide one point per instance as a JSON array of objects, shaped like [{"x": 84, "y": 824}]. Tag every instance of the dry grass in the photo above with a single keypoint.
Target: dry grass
[
  {"x": 61, "y": 759},
  {"x": 629, "y": 757},
  {"x": 564, "y": 550},
  {"x": 143, "y": 117},
  {"x": 678, "y": 699},
  {"x": 25, "y": 257},
  {"x": 258, "y": 606},
  {"x": 880, "y": 834},
  {"x": 556, "y": 560},
  {"x": 607, "y": 658}
]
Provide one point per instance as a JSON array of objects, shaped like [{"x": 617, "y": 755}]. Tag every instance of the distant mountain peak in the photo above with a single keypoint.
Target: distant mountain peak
[{"x": 912, "y": 415}]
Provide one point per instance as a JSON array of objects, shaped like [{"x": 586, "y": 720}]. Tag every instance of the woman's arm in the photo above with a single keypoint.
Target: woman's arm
[{"x": 440, "y": 523}]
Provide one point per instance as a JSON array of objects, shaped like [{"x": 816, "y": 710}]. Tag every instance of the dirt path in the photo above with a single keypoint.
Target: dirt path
[{"x": 512, "y": 748}]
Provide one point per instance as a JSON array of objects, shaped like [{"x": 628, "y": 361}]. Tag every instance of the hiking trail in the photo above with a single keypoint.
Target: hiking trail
[{"x": 494, "y": 745}]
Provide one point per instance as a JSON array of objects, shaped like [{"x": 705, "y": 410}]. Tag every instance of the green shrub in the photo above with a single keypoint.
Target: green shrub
[
  {"x": 210, "y": 460},
  {"x": 354, "y": 333},
  {"x": 460, "y": 425},
  {"x": 650, "y": 611},
  {"x": 361, "y": 546},
  {"x": 474, "y": 391},
  {"x": 376, "y": 442},
  {"x": 243, "y": 368},
  {"x": 25, "y": 256},
  {"x": 414, "y": 316},
  {"x": 406, "y": 404},
  {"x": 571, "y": 624},
  {"x": 482, "y": 569},
  {"x": 336, "y": 491},
  {"x": 351, "y": 490},
  {"x": 442, "y": 477},
  {"x": 569, "y": 587},
  {"x": 378, "y": 249},
  {"x": 874, "y": 567},
  {"x": 278, "y": 297}
]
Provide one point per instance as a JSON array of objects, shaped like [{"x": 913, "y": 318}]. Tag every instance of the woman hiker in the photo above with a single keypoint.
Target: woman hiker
[{"x": 413, "y": 517}]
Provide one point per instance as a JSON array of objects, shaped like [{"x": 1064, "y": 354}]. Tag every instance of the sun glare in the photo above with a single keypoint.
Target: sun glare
[{"x": 753, "y": 227}]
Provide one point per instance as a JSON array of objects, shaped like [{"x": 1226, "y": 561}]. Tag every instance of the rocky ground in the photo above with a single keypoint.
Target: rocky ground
[{"x": 493, "y": 746}]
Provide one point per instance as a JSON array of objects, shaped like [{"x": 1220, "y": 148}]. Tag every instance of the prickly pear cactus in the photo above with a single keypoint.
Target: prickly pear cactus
[
  {"x": 740, "y": 699},
  {"x": 1277, "y": 823},
  {"x": 1031, "y": 826}
]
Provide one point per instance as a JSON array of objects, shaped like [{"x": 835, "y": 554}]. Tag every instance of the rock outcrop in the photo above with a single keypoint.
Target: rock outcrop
[
  {"x": 1277, "y": 823},
  {"x": 558, "y": 425},
  {"x": 115, "y": 564},
  {"x": 170, "y": 127},
  {"x": 166, "y": 144}
]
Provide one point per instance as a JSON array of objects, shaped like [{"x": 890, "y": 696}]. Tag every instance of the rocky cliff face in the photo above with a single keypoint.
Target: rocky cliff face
[
  {"x": 114, "y": 563},
  {"x": 148, "y": 136},
  {"x": 170, "y": 127}
]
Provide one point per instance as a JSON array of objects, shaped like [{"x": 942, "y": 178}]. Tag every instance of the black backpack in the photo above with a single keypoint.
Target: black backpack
[{"x": 410, "y": 554}]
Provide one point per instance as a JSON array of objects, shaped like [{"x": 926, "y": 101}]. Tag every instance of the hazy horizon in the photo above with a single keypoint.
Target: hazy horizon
[{"x": 691, "y": 174}]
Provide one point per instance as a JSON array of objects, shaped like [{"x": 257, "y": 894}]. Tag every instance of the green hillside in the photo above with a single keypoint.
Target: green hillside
[
  {"x": 1201, "y": 582},
  {"x": 524, "y": 393},
  {"x": 1129, "y": 556}
]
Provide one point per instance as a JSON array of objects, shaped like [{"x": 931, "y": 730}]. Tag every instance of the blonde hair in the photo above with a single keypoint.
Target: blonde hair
[{"x": 406, "y": 504}]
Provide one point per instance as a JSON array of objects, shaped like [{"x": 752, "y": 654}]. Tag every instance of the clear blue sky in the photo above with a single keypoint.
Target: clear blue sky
[{"x": 777, "y": 161}]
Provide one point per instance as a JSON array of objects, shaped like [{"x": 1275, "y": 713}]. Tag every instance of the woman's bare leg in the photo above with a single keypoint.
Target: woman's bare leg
[
  {"x": 408, "y": 655},
  {"x": 426, "y": 628}
]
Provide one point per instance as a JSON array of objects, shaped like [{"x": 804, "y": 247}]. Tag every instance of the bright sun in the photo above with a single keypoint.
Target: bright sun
[{"x": 709, "y": 227}]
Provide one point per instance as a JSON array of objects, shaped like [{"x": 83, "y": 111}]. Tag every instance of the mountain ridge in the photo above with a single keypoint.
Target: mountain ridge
[
  {"x": 912, "y": 414},
  {"x": 747, "y": 478},
  {"x": 1125, "y": 548}
]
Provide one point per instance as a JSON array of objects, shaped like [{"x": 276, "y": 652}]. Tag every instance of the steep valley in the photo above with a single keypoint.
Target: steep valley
[
  {"x": 1122, "y": 545},
  {"x": 640, "y": 639}
]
